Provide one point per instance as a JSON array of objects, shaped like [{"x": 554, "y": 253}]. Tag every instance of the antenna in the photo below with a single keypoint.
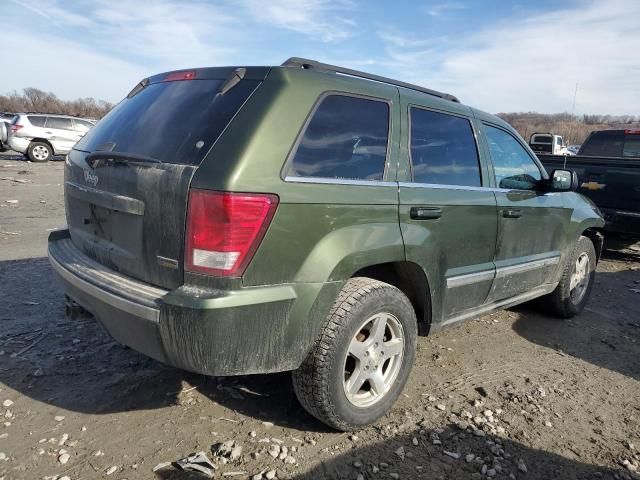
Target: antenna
[{"x": 573, "y": 109}]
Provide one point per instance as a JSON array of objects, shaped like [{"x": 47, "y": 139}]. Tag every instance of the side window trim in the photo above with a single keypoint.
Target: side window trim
[
  {"x": 534, "y": 158},
  {"x": 485, "y": 186},
  {"x": 300, "y": 136}
]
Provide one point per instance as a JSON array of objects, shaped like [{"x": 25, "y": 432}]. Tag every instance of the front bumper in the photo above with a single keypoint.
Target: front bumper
[{"x": 214, "y": 332}]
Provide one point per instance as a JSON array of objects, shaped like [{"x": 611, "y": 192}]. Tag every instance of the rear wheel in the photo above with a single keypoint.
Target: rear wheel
[
  {"x": 39, "y": 152},
  {"x": 572, "y": 293},
  {"x": 362, "y": 358}
]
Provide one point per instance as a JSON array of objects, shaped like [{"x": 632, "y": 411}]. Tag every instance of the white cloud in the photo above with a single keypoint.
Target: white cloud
[
  {"x": 77, "y": 72},
  {"x": 321, "y": 19},
  {"x": 534, "y": 63},
  {"x": 441, "y": 8},
  {"x": 58, "y": 16}
]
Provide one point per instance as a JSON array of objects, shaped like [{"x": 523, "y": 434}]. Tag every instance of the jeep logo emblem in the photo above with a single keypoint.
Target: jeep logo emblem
[{"x": 90, "y": 177}]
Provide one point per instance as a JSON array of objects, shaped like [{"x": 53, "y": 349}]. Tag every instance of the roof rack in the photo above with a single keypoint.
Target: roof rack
[{"x": 306, "y": 63}]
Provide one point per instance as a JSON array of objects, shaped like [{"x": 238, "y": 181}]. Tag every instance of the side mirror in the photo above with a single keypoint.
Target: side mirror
[{"x": 563, "y": 181}]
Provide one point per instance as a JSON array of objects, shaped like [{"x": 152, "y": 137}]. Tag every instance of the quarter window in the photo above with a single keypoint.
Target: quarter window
[
  {"x": 346, "y": 138},
  {"x": 443, "y": 149},
  {"x": 513, "y": 167}
]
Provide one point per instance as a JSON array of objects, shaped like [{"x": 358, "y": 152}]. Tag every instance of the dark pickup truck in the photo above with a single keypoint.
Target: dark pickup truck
[{"x": 608, "y": 168}]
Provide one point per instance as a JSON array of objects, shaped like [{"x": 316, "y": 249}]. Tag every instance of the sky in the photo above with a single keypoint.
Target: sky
[{"x": 500, "y": 56}]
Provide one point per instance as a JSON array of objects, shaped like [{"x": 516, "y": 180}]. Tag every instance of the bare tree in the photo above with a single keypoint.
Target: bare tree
[{"x": 36, "y": 100}]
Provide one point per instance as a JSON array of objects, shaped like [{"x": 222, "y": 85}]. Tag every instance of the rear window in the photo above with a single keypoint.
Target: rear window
[
  {"x": 36, "y": 120},
  {"x": 174, "y": 122},
  {"x": 346, "y": 138},
  {"x": 604, "y": 144},
  {"x": 542, "y": 139}
]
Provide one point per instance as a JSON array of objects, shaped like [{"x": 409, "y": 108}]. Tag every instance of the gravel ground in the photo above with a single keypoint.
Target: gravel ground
[{"x": 514, "y": 394}]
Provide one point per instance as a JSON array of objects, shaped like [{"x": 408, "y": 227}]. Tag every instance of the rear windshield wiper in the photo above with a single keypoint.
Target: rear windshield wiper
[
  {"x": 236, "y": 76},
  {"x": 97, "y": 159}
]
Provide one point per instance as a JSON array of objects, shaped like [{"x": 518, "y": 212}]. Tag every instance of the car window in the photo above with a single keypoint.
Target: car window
[
  {"x": 513, "y": 167},
  {"x": 604, "y": 144},
  {"x": 443, "y": 149},
  {"x": 346, "y": 138},
  {"x": 59, "y": 122},
  {"x": 175, "y": 122},
  {"x": 82, "y": 125},
  {"x": 542, "y": 139},
  {"x": 631, "y": 146},
  {"x": 36, "y": 120}
]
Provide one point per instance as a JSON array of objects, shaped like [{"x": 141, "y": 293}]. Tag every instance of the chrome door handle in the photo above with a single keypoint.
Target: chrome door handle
[
  {"x": 425, "y": 213},
  {"x": 512, "y": 213}
]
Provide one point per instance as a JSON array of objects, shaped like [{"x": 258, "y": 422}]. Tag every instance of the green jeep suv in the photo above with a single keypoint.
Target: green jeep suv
[{"x": 314, "y": 219}]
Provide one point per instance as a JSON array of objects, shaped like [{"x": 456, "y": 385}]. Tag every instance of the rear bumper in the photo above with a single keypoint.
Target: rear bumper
[
  {"x": 214, "y": 332},
  {"x": 18, "y": 144},
  {"x": 620, "y": 221}
]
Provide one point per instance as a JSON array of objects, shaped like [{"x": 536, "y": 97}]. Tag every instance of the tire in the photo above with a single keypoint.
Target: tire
[
  {"x": 39, "y": 152},
  {"x": 565, "y": 301},
  {"x": 330, "y": 369}
]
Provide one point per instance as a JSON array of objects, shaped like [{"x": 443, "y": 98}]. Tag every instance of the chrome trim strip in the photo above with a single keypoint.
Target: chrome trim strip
[
  {"x": 339, "y": 181},
  {"x": 469, "y": 278},
  {"x": 525, "y": 267},
  {"x": 109, "y": 298},
  {"x": 446, "y": 187}
]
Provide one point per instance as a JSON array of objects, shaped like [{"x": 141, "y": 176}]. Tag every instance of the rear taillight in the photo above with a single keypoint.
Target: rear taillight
[
  {"x": 632, "y": 132},
  {"x": 225, "y": 229},
  {"x": 15, "y": 128}
]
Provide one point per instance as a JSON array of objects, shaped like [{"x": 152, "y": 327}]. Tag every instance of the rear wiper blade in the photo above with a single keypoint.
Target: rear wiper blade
[
  {"x": 97, "y": 159},
  {"x": 236, "y": 76}
]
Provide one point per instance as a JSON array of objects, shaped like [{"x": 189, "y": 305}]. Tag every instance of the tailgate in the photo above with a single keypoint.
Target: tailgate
[
  {"x": 127, "y": 180},
  {"x": 129, "y": 217}
]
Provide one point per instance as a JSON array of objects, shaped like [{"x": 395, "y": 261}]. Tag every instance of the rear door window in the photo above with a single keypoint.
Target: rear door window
[
  {"x": 59, "y": 123},
  {"x": 346, "y": 138},
  {"x": 36, "y": 120},
  {"x": 174, "y": 122},
  {"x": 512, "y": 165},
  {"x": 443, "y": 149}
]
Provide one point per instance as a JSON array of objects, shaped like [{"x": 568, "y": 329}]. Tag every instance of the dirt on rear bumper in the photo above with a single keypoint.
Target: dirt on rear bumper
[{"x": 218, "y": 333}]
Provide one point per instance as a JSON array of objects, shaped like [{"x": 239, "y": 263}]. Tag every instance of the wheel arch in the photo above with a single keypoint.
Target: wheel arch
[
  {"x": 597, "y": 238},
  {"x": 43, "y": 140},
  {"x": 410, "y": 279}
]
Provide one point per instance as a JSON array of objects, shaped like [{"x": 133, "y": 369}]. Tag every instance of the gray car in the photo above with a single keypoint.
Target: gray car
[
  {"x": 5, "y": 124},
  {"x": 41, "y": 136}
]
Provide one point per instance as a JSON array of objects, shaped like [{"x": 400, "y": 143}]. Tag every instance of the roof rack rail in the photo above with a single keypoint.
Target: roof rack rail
[{"x": 306, "y": 63}]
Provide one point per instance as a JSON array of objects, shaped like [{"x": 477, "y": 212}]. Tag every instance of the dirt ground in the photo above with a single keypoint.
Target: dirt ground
[{"x": 515, "y": 394}]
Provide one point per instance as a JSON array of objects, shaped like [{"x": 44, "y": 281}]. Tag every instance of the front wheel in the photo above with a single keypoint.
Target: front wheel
[
  {"x": 362, "y": 357},
  {"x": 572, "y": 293}
]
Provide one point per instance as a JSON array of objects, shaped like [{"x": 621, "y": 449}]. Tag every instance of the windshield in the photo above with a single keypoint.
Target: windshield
[{"x": 173, "y": 122}]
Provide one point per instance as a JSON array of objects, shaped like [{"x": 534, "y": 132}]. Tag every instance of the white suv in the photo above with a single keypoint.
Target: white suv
[{"x": 41, "y": 136}]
